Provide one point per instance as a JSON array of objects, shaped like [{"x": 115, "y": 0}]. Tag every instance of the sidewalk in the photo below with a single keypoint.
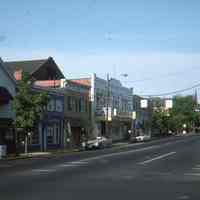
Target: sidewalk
[
  {"x": 55, "y": 153},
  {"x": 65, "y": 152}
]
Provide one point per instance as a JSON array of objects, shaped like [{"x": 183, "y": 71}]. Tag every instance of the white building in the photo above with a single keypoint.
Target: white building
[{"x": 111, "y": 107}]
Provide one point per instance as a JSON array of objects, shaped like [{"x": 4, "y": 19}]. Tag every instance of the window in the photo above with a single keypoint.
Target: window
[
  {"x": 50, "y": 135},
  {"x": 53, "y": 133},
  {"x": 69, "y": 103},
  {"x": 81, "y": 105},
  {"x": 51, "y": 105},
  {"x": 59, "y": 106},
  {"x": 77, "y": 105}
]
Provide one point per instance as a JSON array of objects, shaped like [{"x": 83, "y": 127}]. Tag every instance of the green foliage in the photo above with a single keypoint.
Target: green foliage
[
  {"x": 183, "y": 112},
  {"x": 28, "y": 105},
  {"x": 160, "y": 121}
]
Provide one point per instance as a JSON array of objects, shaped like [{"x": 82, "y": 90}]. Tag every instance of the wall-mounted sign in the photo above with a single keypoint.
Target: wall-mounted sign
[
  {"x": 144, "y": 103},
  {"x": 133, "y": 115},
  {"x": 168, "y": 103},
  {"x": 115, "y": 112}
]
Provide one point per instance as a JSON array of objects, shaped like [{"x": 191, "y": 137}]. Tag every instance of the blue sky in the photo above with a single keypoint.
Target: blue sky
[{"x": 156, "y": 42}]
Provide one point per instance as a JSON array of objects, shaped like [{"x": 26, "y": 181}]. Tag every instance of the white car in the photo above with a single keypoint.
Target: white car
[
  {"x": 143, "y": 138},
  {"x": 97, "y": 143}
]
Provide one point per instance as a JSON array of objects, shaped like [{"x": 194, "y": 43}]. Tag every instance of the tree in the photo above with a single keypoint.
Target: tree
[
  {"x": 183, "y": 112},
  {"x": 160, "y": 121},
  {"x": 28, "y": 105}
]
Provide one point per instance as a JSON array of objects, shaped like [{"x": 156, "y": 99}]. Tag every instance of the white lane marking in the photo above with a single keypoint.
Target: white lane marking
[
  {"x": 43, "y": 170},
  {"x": 157, "y": 158},
  {"x": 79, "y": 162},
  {"x": 196, "y": 168},
  {"x": 67, "y": 165},
  {"x": 192, "y": 174},
  {"x": 118, "y": 154},
  {"x": 184, "y": 197},
  {"x": 85, "y": 161}
]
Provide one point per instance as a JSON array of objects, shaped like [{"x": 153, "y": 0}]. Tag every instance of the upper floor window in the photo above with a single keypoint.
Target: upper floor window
[
  {"x": 69, "y": 103},
  {"x": 51, "y": 105},
  {"x": 59, "y": 105}
]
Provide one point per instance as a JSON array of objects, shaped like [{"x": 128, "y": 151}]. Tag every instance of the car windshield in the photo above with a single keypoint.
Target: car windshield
[{"x": 99, "y": 99}]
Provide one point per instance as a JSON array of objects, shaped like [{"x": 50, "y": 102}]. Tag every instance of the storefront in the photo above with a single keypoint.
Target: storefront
[{"x": 48, "y": 134}]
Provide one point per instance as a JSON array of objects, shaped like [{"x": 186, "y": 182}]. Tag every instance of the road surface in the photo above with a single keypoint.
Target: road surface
[{"x": 160, "y": 170}]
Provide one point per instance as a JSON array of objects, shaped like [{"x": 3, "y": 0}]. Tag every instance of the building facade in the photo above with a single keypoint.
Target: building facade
[
  {"x": 7, "y": 92},
  {"x": 111, "y": 107},
  {"x": 143, "y": 115},
  {"x": 49, "y": 133},
  {"x": 76, "y": 109},
  {"x": 77, "y": 112}
]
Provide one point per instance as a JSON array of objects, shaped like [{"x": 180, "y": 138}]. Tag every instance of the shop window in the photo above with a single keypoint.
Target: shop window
[
  {"x": 53, "y": 134},
  {"x": 50, "y": 134}
]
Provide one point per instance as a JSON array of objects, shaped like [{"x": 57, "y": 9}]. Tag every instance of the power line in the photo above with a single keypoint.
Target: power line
[
  {"x": 163, "y": 76},
  {"x": 174, "y": 92}
]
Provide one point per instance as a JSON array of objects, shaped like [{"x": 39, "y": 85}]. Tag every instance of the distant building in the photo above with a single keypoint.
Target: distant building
[
  {"x": 143, "y": 115},
  {"x": 111, "y": 107}
]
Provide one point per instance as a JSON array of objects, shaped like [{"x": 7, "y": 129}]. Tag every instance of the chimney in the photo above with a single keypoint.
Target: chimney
[{"x": 18, "y": 74}]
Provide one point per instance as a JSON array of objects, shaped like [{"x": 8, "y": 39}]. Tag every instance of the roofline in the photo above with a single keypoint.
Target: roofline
[
  {"x": 5, "y": 70},
  {"x": 51, "y": 90},
  {"x": 44, "y": 61},
  {"x": 51, "y": 58},
  {"x": 80, "y": 84},
  {"x": 79, "y": 78},
  {"x": 18, "y": 61}
]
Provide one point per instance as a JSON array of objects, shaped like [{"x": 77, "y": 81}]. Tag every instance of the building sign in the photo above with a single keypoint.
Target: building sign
[
  {"x": 144, "y": 103},
  {"x": 168, "y": 103},
  {"x": 108, "y": 117},
  {"x": 115, "y": 112},
  {"x": 133, "y": 115}
]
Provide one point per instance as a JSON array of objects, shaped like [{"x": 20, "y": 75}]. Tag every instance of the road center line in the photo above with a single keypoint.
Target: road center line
[
  {"x": 118, "y": 154},
  {"x": 157, "y": 158}
]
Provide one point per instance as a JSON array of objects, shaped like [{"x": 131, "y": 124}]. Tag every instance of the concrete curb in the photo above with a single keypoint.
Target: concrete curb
[{"x": 53, "y": 154}]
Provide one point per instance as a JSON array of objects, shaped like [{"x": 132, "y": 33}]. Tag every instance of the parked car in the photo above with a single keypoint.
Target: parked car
[
  {"x": 133, "y": 139},
  {"x": 97, "y": 143},
  {"x": 143, "y": 138},
  {"x": 104, "y": 142}
]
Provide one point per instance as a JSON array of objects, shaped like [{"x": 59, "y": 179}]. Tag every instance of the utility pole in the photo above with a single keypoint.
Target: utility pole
[{"x": 107, "y": 105}]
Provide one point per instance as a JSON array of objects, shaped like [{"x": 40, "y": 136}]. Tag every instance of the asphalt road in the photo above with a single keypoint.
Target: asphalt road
[{"x": 165, "y": 170}]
